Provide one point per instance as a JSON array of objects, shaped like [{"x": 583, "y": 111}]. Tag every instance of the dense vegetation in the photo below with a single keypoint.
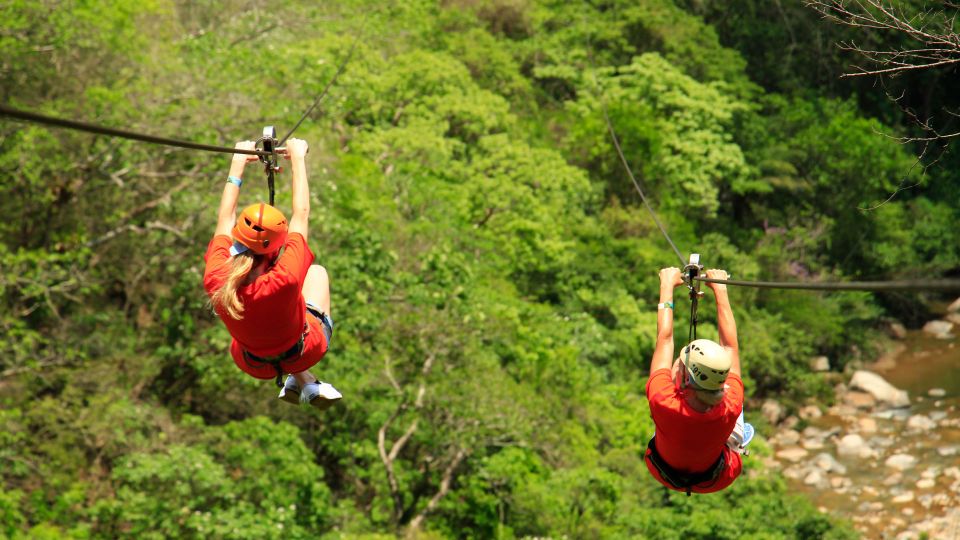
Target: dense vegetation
[{"x": 494, "y": 275}]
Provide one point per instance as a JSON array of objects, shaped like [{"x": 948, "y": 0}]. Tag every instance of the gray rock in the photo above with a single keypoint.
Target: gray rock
[
  {"x": 850, "y": 445},
  {"x": 919, "y": 422},
  {"x": 880, "y": 389},
  {"x": 772, "y": 411},
  {"x": 901, "y": 462},
  {"x": 820, "y": 363},
  {"x": 903, "y": 498},
  {"x": 809, "y": 412},
  {"x": 947, "y": 451},
  {"x": 896, "y": 330},
  {"x": 827, "y": 463},
  {"x": 867, "y": 425},
  {"x": 788, "y": 437},
  {"x": 815, "y": 478},
  {"x": 939, "y": 329},
  {"x": 859, "y": 400},
  {"x": 792, "y": 454}
]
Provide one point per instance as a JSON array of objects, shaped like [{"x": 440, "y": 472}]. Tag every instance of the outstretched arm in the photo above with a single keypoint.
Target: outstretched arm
[
  {"x": 227, "y": 214},
  {"x": 663, "y": 353},
  {"x": 726, "y": 324},
  {"x": 300, "y": 218}
]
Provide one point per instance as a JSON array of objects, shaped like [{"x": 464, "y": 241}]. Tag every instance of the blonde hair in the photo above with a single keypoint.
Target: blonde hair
[{"x": 225, "y": 299}]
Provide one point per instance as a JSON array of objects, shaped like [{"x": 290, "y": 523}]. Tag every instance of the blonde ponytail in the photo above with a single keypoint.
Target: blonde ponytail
[{"x": 225, "y": 299}]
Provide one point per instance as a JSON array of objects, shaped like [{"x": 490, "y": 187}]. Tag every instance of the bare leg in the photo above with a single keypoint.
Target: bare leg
[
  {"x": 316, "y": 290},
  {"x": 303, "y": 378}
]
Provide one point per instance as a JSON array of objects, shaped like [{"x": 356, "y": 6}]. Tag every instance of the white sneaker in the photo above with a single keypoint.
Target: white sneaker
[
  {"x": 320, "y": 395},
  {"x": 290, "y": 391}
]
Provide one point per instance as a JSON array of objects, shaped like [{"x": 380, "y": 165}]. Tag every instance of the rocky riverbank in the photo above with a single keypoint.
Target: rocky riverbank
[{"x": 884, "y": 456}]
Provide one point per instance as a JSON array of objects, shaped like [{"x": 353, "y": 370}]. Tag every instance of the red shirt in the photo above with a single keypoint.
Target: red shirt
[
  {"x": 688, "y": 440},
  {"x": 273, "y": 307}
]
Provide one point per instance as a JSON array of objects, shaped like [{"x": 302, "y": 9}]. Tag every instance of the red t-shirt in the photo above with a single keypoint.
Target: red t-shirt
[
  {"x": 274, "y": 310},
  {"x": 691, "y": 441}
]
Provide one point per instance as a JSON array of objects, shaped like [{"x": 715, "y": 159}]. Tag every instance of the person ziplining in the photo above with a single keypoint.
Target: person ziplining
[
  {"x": 263, "y": 285},
  {"x": 696, "y": 400}
]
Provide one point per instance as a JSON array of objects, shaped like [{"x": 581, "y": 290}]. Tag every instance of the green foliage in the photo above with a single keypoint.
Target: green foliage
[{"x": 493, "y": 273}]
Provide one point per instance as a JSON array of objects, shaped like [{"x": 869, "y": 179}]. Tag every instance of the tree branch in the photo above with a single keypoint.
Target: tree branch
[{"x": 444, "y": 488}]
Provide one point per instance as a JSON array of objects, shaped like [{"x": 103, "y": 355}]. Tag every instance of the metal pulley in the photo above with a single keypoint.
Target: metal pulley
[
  {"x": 269, "y": 143},
  {"x": 692, "y": 270}
]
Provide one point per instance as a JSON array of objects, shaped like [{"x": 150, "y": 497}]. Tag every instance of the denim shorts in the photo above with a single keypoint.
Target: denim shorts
[{"x": 324, "y": 318}]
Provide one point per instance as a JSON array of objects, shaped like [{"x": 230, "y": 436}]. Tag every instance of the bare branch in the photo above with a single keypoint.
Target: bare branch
[
  {"x": 932, "y": 32},
  {"x": 444, "y": 488}
]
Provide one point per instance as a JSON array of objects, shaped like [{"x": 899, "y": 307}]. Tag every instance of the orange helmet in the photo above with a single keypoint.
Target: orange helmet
[{"x": 261, "y": 228}]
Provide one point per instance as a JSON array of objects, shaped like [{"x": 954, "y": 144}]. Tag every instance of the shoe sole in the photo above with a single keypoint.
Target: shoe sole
[
  {"x": 289, "y": 397},
  {"x": 323, "y": 403}
]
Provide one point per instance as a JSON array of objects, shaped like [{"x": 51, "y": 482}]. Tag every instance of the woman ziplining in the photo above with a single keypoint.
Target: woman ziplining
[
  {"x": 696, "y": 400},
  {"x": 262, "y": 284}
]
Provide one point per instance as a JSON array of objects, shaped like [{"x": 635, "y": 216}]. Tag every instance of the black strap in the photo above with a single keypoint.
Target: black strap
[
  {"x": 681, "y": 480},
  {"x": 274, "y": 361}
]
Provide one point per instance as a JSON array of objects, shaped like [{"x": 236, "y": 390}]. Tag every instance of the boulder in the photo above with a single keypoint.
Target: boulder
[
  {"x": 820, "y": 363},
  {"x": 814, "y": 478},
  {"x": 939, "y": 329},
  {"x": 947, "y": 451},
  {"x": 880, "y": 389},
  {"x": 867, "y": 425},
  {"x": 850, "y": 445},
  {"x": 901, "y": 462},
  {"x": 936, "y": 392},
  {"x": 827, "y": 463},
  {"x": 903, "y": 498},
  {"x": 919, "y": 422},
  {"x": 809, "y": 412},
  {"x": 788, "y": 437},
  {"x": 771, "y": 411},
  {"x": 860, "y": 400},
  {"x": 896, "y": 330},
  {"x": 792, "y": 454},
  {"x": 954, "y": 307}
]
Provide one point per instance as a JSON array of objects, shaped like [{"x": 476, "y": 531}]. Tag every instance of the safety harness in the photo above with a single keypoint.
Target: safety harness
[
  {"x": 292, "y": 353},
  {"x": 682, "y": 480}
]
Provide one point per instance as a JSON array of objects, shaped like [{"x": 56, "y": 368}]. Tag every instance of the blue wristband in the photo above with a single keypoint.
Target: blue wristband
[{"x": 235, "y": 181}]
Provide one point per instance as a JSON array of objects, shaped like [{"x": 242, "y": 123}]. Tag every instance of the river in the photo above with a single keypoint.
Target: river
[{"x": 901, "y": 497}]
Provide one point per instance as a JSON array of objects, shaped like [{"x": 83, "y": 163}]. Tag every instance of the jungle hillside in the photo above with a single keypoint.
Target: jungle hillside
[{"x": 493, "y": 269}]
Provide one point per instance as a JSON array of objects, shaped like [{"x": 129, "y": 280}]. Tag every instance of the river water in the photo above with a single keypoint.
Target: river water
[{"x": 885, "y": 500}]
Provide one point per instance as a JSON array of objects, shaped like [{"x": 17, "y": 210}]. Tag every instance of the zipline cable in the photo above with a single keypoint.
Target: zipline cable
[
  {"x": 623, "y": 159},
  {"x": 113, "y": 132},
  {"x": 901, "y": 285},
  {"x": 320, "y": 96}
]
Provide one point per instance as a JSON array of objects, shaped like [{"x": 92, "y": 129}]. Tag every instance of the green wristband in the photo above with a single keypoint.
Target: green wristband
[
  {"x": 664, "y": 305},
  {"x": 235, "y": 181}
]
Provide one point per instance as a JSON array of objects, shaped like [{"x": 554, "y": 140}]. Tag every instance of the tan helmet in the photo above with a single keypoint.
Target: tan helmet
[{"x": 707, "y": 363}]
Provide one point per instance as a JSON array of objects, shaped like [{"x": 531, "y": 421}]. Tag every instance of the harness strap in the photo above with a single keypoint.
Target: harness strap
[
  {"x": 274, "y": 361},
  {"x": 681, "y": 480}
]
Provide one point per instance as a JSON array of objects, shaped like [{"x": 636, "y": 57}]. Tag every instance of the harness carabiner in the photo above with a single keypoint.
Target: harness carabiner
[
  {"x": 268, "y": 143},
  {"x": 692, "y": 270}
]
